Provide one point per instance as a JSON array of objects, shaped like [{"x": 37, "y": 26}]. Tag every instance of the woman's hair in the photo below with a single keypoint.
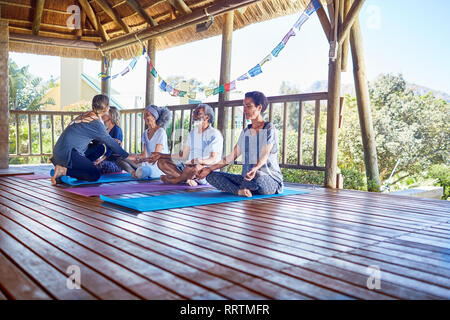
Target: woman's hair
[
  {"x": 164, "y": 115},
  {"x": 208, "y": 111},
  {"x": 115, "y": 115},
  {"x": 100, "y": 103},
  {"x": 259, "y": 99}
]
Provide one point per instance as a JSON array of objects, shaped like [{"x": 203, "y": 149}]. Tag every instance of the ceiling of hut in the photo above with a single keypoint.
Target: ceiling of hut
[{"x": 103, "y": 20}]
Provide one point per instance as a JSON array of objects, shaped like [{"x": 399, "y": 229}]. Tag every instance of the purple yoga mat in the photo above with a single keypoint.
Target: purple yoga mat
[{"x": 121, "y": 188}]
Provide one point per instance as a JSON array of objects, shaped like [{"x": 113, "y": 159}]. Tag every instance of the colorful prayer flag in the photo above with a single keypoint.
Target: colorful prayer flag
[
  {"x": 169, "y": 88},
  {"x": 267, "y": 58},
  {"x": 218, "y": 90},
  {"x": 114, "y": 76},
  {"x": 243, "y": 77},
  {"x": 133, "y": 63},
  {"x": 125, "y": 71},
  {"x": 288, "y": 35},
  {"x": 230, "y": 86},
  {"x": 163, "y": 85},
  {"x": 255, "y": 71},
  {"x": 174, "y": 92},
  {"x": 301, "y": 21},
  {"x": 182, "y": 93},
  {"x": 154, "y": 73},
  {"x": 192, "y": 95},
  {"x": 278, "y": 48},
  {"x": 312, "y": 7}
]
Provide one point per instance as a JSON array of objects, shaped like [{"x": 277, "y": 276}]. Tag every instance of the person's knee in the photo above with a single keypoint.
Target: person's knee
[{"x": 143, "y": 172}]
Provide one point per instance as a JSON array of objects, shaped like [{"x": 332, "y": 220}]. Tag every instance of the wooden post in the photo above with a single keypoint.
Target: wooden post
[
  {"x": 106, "y": 85},
  {"x": 150, "y": 80},
  {"x": 4, "y": 92},
  {"x": 334, "y": 88},
  {"x": 345, "y": 7},
  {"x": 225, "y": 69},
  {"x": 363, "y": 100}
]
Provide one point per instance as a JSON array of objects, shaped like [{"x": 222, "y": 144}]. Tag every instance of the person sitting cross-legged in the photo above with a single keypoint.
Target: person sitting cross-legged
[
  {"x": 203, "y": 148},
  {"x": 258, "y": 145}
]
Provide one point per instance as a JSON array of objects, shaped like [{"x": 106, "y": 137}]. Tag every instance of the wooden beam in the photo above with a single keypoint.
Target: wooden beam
[
  {"x": 106, "y": 84},
  {"x": 150, "y": 80},
  {"x": 326, "y": 26},
  {"x": 89, "y": 12},
  {"x": 102, "y": 30},
  {"x": 225, "y": 70},
  {"x": 31, "y": 39},
  {"x": 345, "y": 46},
  {"x": 363, "y": 101},
  {"x": 353, "y": 13},
  {"x": 82, "y": 24},
  {"x": 180, "y": 5},
  {"x": 197, "y": 16},
  {"x": 113, "y": 15},
  {"x": 38, "y": 16},
  {"x": 334, "y": 93},
  {"x": 144, "y": 14}
]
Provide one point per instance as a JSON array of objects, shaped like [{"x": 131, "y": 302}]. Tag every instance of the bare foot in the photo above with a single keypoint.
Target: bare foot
[
  {"x": 245, "y": 193},
  {"x": 133, "y": 174},
  {"x": 192, "y": 183},
  {"x": 59, "y": 172}
]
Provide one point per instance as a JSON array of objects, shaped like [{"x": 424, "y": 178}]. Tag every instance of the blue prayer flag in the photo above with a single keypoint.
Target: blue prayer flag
[{"x": 255, "y": 70}]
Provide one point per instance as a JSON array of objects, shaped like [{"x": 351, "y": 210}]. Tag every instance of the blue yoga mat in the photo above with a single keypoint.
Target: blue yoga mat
[
  {"x": 182, "y": 200},
  {"x": 118, "y": 177}
]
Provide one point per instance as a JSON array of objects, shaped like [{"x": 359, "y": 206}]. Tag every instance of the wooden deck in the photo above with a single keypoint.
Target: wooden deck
[{"x": 310, "y": 246}]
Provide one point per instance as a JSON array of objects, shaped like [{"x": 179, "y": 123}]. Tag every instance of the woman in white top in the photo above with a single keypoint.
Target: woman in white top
[{"x": 154, "y": 139}]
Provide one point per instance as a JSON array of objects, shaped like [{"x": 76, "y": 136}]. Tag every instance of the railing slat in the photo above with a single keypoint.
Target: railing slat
[
  {"x": 62, "y": 123},
  {"x": 135, "y": 132},
  {"x": 40, "y": 134},
  {"x": 283, "y": 157},
  {"x": 130, "y": 133},
  {"x": 30, "y": 146},
  {"x": 172, "y": 142},
  {"x": 233, "y": 128},
  {"x": 300, "y": 133},
  {"x": 270, "y": 112},
  {"x": 17, "y": 134},
  {"x": 53, "y": 131},
  {"x": 181, "y": 129},
  {"x": 316, "y": 133}
]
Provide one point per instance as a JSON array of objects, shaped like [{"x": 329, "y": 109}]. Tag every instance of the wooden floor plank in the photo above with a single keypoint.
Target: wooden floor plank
[
  {"x": 310, "y": 246},
  {"x": 17, "y": 284}
]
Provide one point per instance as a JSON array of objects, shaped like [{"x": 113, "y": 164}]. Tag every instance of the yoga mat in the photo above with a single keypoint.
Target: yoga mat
[
  {"x": 191, "y": 199},
  {"x": 33, "y": 176},
  {"x": 106, "y": 178},
  {"x": 108, "y": 190}
]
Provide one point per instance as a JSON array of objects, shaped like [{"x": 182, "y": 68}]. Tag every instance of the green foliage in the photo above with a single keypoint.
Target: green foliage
[
  {"x": 441, "y": 174},
  {"x": 26, "y": 92}
]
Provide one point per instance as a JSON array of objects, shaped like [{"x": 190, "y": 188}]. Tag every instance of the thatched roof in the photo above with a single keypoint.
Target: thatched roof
[{"x": 21, "y": 15}]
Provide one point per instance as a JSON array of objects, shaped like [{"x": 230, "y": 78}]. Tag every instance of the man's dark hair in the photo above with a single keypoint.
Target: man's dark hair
[{"x": 259, "y": 99}]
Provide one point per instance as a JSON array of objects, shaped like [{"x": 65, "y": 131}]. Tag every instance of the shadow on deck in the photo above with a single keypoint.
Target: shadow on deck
[{"x": 327, "y": 244}]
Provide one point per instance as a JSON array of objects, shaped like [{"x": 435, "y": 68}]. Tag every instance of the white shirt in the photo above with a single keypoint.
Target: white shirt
[
  {"x": 202, "y": 144},
  {"x": 159, "y": 137}
]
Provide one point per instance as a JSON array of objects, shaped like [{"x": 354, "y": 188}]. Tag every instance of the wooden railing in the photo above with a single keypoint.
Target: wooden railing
[{"x": 46, "y": 126}]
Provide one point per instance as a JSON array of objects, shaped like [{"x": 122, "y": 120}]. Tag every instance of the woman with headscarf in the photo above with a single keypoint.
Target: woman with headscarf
[{"x": 154, "y": 139}]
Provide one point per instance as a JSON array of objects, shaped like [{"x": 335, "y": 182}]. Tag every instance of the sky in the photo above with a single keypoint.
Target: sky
[{"x": 399, "y": 36}]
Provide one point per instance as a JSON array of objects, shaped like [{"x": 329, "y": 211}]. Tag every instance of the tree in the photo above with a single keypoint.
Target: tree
[{"x": 26, "y": 92}]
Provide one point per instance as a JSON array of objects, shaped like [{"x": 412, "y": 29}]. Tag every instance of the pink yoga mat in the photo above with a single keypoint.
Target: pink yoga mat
[{"x": 122, "y": 188}]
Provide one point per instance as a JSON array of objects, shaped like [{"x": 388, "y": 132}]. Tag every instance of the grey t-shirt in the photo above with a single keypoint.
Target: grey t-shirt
[
  {"x": 77, "y": 136},
  {"x": 251, "y": 146}
]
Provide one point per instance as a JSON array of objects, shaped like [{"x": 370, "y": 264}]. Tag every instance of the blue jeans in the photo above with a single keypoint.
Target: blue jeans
[{"x": 232, "y": 183}]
